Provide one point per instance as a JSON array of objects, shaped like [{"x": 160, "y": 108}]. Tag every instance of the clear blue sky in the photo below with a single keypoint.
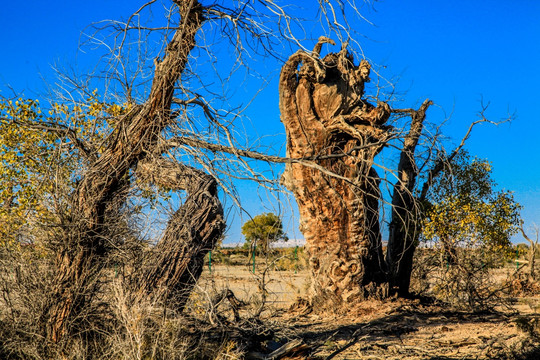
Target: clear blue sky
[{"x": 454, "y": 52}]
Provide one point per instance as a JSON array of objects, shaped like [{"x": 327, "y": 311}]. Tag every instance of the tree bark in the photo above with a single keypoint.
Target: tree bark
[
  {"x": 176, "y": 262},
  {"x": 85, "y": 245},
  {"x": 405, "y": 226},
  {"x": 323, "y": 112}
]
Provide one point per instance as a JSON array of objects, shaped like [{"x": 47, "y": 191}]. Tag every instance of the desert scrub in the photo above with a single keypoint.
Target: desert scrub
[{"x": 290, "y": 259}]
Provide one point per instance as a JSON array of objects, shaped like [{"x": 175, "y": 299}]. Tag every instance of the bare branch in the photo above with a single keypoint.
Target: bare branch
[{"x": 444, "y": 161}]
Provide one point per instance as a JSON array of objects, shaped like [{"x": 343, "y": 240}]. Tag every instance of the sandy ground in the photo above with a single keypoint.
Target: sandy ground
[
  {"x": 395, "y": 329},
  {"x": 283, "y": 287}
]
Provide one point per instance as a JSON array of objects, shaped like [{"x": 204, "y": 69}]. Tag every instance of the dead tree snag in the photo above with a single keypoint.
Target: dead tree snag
[
  {"x": 324, "y": 114},
  {"x": 405, "y": 226}
]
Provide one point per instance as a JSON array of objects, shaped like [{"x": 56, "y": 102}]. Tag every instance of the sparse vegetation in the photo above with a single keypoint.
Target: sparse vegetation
[{"x": 82, "y": 276}]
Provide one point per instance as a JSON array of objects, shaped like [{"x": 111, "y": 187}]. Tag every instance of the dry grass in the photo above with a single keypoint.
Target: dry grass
[{"x": 128, "y": 327}]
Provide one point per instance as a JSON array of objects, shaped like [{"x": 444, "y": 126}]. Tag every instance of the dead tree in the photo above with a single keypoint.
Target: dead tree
[
  {"x": 135, "y": 138},
  {"x": 409, "y": 197},
  {"x": 330, "y": 123},
  {"x": 405, "y": 224},
  {"x": 176, "y": 262},
  {"x": 324, "y": 114},
  {"x": 532, "y": 252},
  {"x": 326, "y": 117}
]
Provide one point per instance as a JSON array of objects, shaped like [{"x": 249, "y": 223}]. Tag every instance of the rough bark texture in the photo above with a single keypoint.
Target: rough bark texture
[
  {"x": 135, "y": 137},
  {"x": 404, "y": 225},
  {"x": 194, "y": 229},
  {"x": 324, "y": 114}
]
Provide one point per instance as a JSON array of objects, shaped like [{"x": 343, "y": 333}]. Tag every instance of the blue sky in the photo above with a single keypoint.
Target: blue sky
[
  {"x": 455, "y": 53},
  {"x": 460, "y": 52}
]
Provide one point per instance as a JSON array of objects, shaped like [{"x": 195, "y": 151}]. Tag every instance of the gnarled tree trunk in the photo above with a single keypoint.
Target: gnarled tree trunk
[
  {"x": 194, "y": 229},
  {"x": 85, "y": 245},
  {"x": 328, "y": 123}
]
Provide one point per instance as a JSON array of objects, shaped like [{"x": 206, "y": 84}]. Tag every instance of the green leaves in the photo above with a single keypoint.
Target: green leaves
[
  {"x": 40, "y": 158},
  {"x": 466, "y": 209},
  {"x": 264, "y": 229},
  {"x": 27, "y": 161}
]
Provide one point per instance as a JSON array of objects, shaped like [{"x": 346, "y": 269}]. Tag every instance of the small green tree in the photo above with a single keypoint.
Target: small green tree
[
  {"x": 465, "y": 209},
  {"x": 470, "y": 224},
  {"x": 262, "y": 230}
]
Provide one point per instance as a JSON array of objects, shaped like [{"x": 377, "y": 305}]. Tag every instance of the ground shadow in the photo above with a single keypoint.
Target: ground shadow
[{"x": 329, "y": 340}]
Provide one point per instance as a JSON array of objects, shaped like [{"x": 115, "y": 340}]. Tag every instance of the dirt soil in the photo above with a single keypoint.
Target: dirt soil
[{"x": 394, "y": 329}]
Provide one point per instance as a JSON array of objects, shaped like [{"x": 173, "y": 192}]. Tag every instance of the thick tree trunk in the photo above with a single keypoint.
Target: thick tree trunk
[
  {"x": 194, "y": 229},
  {"x": 405, "y": 223},
  {"x": 327, "y": 120},
  {"x": 85, "y": 245}
]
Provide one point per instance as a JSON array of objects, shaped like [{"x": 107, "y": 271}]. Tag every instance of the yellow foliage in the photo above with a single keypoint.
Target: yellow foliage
[
  {"x": 41, "y": 160},
  {"x": 467, "y": 211},
  {"x": 39, "y": 163}
]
